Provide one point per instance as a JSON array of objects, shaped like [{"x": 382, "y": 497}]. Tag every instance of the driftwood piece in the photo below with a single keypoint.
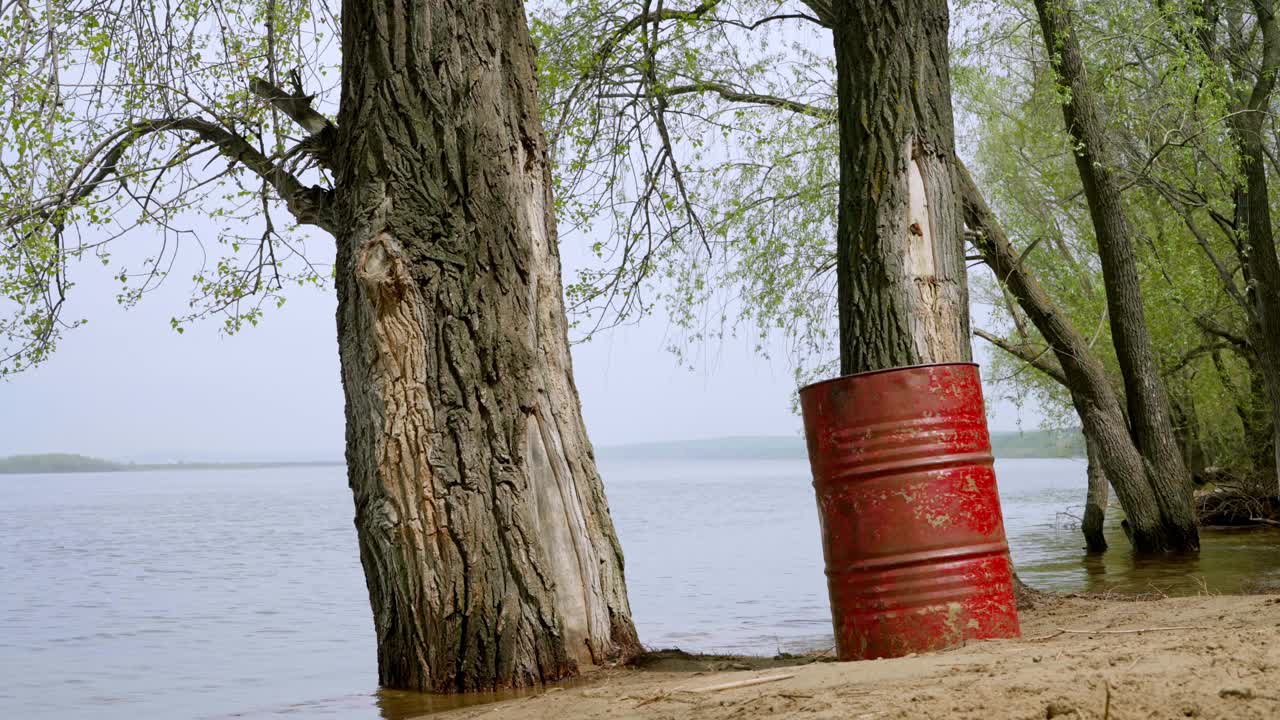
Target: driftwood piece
[{"x": 742, "y": 683}]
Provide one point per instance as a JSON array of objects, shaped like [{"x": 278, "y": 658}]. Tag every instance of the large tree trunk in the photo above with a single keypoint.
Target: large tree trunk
[
  {"x": 1147, "y": 398},
  {"x": 900, "y": 243},
  {"x": 488, "y": 550}
]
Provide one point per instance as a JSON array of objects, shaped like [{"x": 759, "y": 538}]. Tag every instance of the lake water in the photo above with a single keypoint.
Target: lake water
[{"x": 239, "y": 594}]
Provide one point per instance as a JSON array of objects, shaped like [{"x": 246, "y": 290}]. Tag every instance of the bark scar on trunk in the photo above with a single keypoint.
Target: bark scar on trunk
[
  {"x": 382, "y": 272},
  {"x": 920, "y": 228},
  {"x": 929, "y": 311},
  {"x": 408, "y": 513}
]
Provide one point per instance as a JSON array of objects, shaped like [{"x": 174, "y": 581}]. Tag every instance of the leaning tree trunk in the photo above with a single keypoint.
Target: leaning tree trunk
[
  {"x": 1147, "y": 398},
  {"x": 903, "y": 294},
  {"x": 488, "y": 550}
]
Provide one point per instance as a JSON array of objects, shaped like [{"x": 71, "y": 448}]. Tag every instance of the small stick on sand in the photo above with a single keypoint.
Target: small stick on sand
[
  {"x": 1065, "y": 631},
  {"x": 742, "y": 683},
  {"x": 661, "y": 697}
]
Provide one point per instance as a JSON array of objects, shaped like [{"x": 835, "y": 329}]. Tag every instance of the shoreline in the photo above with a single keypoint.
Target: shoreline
[
  {"x": 108, "y": 467},
  {"x": 1079, "y": 657}
]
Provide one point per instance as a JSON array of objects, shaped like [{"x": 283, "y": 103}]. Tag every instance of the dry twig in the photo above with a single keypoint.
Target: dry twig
[{"x": 1134, "y": 631}]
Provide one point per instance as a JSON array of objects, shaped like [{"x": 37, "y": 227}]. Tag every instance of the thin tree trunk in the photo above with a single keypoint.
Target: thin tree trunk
[
  {"x": 900, "y": 244},
  {"x": 1186, "y": 428},
  {"x": 1095, "y": 506},
  {"x": 1253, "y": 409},
  {"x": 1258, "y": 417},
  {"x": 488, "y": 550},
  {"x": 1148, "y": 403}
]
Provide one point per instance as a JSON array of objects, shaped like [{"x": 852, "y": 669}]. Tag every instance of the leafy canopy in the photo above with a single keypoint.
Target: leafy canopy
[{"x": 143, "y": 119}]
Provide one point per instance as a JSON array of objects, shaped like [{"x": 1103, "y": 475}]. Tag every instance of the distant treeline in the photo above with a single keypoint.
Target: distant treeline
[
  {"x": 70, "y": 463},
  {"x": 55, "y": 463},
  {"x": 1030, "y": 444},
  {"x": 1038, "y": 444}
]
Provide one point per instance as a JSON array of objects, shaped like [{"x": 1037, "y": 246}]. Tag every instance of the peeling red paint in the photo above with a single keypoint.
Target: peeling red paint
[{"x": 911, "y": 525}]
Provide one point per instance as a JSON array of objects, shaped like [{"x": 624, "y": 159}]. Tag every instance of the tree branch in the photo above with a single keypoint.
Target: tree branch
[
  {"x": 1188, "y": 357},
  {"x": 734, "y": 95},
  {"x": 1213, "y": 328},
  {"x": 1225, "y": 275},
  {"x": 823, "y": 10},
  {"x": 309, "y": 205},
  {"x": 1038, "y": 359},
  {"x": 297, "y": 105}
]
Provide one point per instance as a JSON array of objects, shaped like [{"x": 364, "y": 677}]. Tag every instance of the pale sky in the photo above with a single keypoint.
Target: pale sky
[{"x": 127, "y": 387}]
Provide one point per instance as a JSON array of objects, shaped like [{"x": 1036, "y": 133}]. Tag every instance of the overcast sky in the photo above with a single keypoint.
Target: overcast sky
[{"x": 126, "y": 386}]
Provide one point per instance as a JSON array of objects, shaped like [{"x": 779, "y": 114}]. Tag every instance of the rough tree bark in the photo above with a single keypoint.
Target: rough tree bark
[
  {"x": 488, "y": 550},
  {"x": 900, "y": 243},
  {"x": 1147, "y": 399}
]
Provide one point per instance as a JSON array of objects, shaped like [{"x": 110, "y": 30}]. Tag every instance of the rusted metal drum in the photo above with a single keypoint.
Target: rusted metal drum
[{"x": 911, "y": 526}]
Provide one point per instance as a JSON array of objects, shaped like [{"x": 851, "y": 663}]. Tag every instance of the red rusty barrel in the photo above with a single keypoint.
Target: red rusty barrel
[{"x": 911, "y": 526}]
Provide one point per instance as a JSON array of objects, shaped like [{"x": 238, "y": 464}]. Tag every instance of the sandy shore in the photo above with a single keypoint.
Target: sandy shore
[{"x": 1207, "y": 657}]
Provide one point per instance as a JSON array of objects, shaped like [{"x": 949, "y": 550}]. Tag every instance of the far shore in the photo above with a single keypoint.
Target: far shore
[
  {"x": 49, "y": 464},
  {"x": 1004, "y": 444}
]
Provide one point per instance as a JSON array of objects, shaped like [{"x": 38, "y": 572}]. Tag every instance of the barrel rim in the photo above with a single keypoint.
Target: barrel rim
[{"x": 806, "y": 388}]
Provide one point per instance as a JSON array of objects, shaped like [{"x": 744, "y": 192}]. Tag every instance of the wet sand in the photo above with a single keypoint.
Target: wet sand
[{"x": 1206, "y": 657}]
